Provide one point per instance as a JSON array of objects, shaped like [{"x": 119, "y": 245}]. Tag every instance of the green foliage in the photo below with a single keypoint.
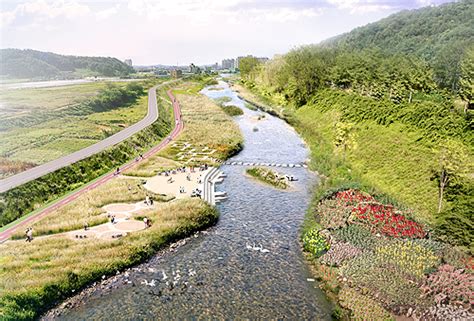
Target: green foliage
[
  {"x": 466, "y": 81},
  {"x": 315, "y": 243},
  {"x": 332, "y": 214},
  {"x": 247, "y": 65},
  {"x": 268, "y": 176},
  {"x": 362, "y": 307},
  {"x": 437, "y": 34},
  {"x": 29, "y": 63},
  {"x": 408, "y": 256},
  {"x": 356, "y": 235},
  {"x": 233, "y": 110},
  {"x": 389, "y": 285},
  {"x": 109, "y": 98}
]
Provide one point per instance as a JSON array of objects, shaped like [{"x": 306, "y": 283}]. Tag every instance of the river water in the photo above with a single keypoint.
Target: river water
[{"x": 219, "y": 275}]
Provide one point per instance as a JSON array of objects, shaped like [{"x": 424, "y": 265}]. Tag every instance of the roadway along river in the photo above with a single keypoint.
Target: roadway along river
[{"x": 217, "y": 276}]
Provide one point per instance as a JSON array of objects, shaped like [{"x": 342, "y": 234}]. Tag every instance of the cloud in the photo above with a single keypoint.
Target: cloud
[
  {"x": 361, "y": 6},
  {"x": 107, "y": 13},
  {"x": 35, "y": 10},
  {"x": 203, "y": 11}
]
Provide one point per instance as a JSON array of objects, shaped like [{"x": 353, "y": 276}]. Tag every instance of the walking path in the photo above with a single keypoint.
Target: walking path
[
  {"x": 38, "y": 171},
  {"x": 179, "y": 125},
  {"x": 124, "y": 223}
]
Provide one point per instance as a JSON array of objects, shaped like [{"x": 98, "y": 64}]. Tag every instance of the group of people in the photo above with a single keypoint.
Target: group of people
[{"x": 29, "y": 234}]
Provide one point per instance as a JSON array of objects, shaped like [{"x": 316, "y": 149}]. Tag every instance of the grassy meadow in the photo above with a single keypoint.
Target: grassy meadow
[{"x": 44, "y": 126}]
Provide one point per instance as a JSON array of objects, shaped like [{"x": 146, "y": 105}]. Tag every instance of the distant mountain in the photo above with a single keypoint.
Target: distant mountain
[
  {"x": 16, "y": 63},
  {"x": 440, "y": 35}
]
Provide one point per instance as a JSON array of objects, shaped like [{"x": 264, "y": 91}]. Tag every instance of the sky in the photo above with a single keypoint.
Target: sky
[{"x": 184, "y": 31}]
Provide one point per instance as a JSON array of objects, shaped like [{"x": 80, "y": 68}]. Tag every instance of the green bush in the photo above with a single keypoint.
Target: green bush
[
  {"x": 233, "y": 110},
  {"x": 315, "y": 243},
  {"x": 356, "y": 235}
]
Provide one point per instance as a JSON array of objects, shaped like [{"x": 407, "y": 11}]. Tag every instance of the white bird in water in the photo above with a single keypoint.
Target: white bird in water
[
  {"x": 263, "y": 250},
  {"x": 248, "y": 246},
  {"x": 256, "y": 248},
  {"x": 164, "y": 275}
]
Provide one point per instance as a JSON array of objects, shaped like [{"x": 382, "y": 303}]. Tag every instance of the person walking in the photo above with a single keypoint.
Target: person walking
[{"x": 29, "y": 234}]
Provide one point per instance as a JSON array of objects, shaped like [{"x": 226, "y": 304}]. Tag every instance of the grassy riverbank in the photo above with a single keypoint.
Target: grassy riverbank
[
  {"x": 42, "y": 124},
  {"x": 208, "y": 130},
  {"x": 361, "y": 261},
  {"x": 268, "y": 176},
  {"x": 36, "y": 276},
  {"x": 34, "y": 194}
]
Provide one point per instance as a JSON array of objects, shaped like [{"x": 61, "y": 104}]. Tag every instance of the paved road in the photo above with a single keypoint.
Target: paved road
[
  {"x": 179, "y": 125},
  {"x": 38, "y": 171}
]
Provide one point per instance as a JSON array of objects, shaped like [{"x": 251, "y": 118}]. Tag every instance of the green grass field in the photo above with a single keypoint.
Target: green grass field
[{"x": 58, "y": 134}]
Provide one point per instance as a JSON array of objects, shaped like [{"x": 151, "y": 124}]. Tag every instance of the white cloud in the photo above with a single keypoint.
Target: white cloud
[
  {"x": 204, "y": 11},
  {"x": 6, "y": 18},
  {"x": 42, "y": 10},
  {"x": 107, "y": 13},
  {"x": 360, "y": 6},
  {"x": 53, "y": 9}
]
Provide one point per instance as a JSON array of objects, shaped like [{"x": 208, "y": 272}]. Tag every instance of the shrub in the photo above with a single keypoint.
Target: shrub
[
  {"x": 445, "y": 312},
  {"x": 361, "y": 306},
  {"x": 408, "y": 256},
  {"x": 233, "y": 110},
  {"x": 382, "y": 281},
  {"x": 340, "y": 252},
  {"x": 449, "y": 285},
  {"x": 315, "y": 243},
  {"x": 332, "y": 214},
  {"x": 356, "y": 235},
  {"x": 386, "y": 220}
]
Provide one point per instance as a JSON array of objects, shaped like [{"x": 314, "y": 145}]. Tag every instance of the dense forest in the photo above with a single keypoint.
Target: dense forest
[
  {"x": 376, "y": 89},
  {"x": 16, "y": 63},
  {"x": 438, "y": 35}
]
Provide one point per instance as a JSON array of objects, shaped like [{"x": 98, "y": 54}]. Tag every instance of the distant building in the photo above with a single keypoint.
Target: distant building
[
  {"x": 194, "y": 69},
  {"x": 128, "y": 62},
  {"x": 228, "y": 64},
  {"x": 176, "y": 73}
]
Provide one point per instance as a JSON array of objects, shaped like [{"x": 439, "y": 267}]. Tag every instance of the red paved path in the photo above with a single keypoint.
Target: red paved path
[{"x": 34, "y": 218}]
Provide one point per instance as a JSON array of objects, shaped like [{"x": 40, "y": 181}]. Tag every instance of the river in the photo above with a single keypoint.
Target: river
[{"x": 218, "y": 275}]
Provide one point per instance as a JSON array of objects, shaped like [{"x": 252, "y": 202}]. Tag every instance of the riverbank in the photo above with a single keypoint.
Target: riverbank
[
  {"x": 354, "y": 280},
  {"x": 35, "y": 276}
]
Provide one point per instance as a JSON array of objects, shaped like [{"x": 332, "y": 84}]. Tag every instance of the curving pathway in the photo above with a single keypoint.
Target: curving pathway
[
  {"x": 38, "y": 171},
  {"x": 179, "y": 125}
]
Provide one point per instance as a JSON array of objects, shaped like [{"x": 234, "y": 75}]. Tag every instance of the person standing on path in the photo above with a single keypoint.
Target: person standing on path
[{"x": 29, "y": 234}]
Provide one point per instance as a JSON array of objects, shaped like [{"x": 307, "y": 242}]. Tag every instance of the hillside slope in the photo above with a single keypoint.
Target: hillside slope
[
  {"x": 439, "y": 35},
  {"x": 16, "y": 63}
]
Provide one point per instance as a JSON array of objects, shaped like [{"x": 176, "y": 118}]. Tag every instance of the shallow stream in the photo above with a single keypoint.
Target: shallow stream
[{"x": 220, "y": 274}]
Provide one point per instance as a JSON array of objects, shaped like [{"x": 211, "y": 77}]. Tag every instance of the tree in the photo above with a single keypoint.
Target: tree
[
  {"x": 344, "y": 137},
  {"x": 452, "y": 158},
  {"x": 247, "y": 65},
  {"x": 466, "y": 81}
]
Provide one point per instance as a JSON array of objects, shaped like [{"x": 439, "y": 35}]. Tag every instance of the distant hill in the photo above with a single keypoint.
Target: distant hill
[
  {"x": 440, "y": 35},
  {"x": 16, "y": 63}
]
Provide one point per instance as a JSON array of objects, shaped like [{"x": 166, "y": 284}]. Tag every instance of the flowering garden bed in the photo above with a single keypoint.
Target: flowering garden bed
[{"x": 387, "y": 260}]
